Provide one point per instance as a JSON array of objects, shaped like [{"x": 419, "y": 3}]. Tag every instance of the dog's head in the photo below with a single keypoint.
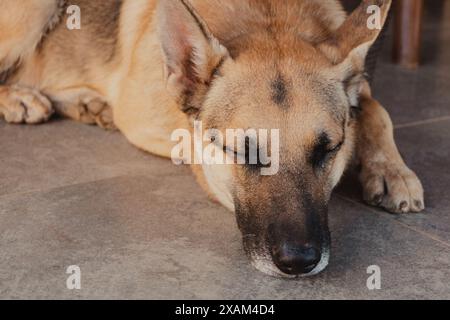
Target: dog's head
[{"x": 273, "y": 78}]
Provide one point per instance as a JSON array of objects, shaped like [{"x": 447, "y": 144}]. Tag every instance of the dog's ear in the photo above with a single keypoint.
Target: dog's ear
[
  {"x": 191, "y": 52},
  {"x": 348, "y": 47}
]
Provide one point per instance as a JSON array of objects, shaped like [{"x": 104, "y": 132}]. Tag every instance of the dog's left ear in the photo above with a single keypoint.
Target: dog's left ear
[
  {"x": 348, "y": 47},
  {"x": 191, "y": 52}
]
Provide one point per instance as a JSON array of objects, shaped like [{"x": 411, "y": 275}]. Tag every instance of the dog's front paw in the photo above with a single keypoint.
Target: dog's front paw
[
  {"x": 393, "y": 187},
  {"x": 24, "y": 105},
  {"x": 89, "y": 110},
  {"x": 102, "y": 113}
]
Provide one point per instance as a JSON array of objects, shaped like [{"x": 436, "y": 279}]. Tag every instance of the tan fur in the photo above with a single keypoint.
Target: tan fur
[
  {"x": 127, "y": 68},
  {"x": 22, "y": 27}
]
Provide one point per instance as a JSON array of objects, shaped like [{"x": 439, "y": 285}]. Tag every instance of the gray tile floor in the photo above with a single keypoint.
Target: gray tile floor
[{"x": 141, "y": 228}]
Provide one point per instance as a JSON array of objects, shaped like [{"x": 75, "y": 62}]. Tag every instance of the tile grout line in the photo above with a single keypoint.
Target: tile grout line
[
  {"x": 53, "y": 188},
  {"x": 69, "y": 185},
  {"x": 421, "y": 122},
  {"x": 421, "y": 232}
]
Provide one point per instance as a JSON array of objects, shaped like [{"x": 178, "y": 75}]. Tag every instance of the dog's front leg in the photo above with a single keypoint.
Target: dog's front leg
[
  {"x": 24, "y": 105},
  {"x": 386, "y": 180}
]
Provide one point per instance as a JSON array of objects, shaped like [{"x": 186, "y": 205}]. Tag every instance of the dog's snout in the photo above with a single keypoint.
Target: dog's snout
[{"x": 294, "y": 259}]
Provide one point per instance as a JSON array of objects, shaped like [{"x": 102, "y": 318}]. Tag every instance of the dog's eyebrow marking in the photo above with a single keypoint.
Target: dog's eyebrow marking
[{"x": 279, "y": 91}]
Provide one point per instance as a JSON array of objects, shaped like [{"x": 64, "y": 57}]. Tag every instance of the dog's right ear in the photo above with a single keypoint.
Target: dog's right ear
[{"x": 191, "y": 52}]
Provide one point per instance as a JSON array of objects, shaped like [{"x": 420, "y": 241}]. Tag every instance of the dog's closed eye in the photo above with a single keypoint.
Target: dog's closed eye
[
  {"x": 250, "y": 152},
  {"x": 323, "y": 151}
]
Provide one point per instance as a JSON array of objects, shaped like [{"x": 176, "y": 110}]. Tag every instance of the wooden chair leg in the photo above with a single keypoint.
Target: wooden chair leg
[{"x": 407, "y": 33}]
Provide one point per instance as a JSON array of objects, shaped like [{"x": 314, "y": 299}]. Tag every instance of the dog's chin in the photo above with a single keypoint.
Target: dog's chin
[
  {"x": 265, "y": 264},
  {"x": 262, "y": 261},
  {"x": 323, "y": 263}
]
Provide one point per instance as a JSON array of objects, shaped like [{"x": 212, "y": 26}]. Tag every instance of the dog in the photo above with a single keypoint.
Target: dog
[{"x": 149, "y": 67}]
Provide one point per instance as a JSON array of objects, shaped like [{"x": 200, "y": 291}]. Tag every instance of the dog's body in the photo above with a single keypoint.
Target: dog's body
[{"x": 149, "y": 68}]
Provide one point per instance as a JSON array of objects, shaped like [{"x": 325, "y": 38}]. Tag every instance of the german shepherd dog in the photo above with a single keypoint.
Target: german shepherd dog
[{"x": 149, "y": 67}]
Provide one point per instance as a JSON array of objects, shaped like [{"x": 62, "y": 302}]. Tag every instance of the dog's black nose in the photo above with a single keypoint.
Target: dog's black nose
[{"x": 296, "y": 259}]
